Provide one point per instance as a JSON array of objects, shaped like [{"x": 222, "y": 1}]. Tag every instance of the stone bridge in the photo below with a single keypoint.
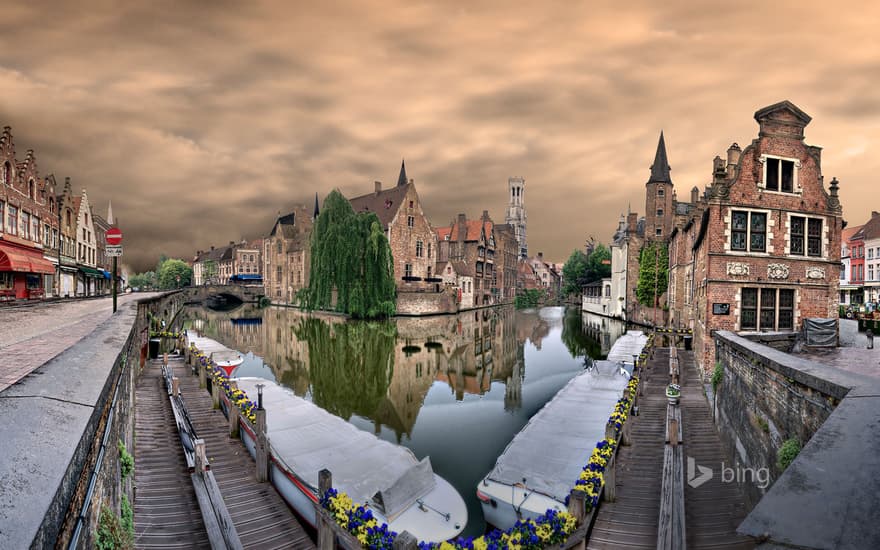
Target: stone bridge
[{"x": 243, "y": 293}]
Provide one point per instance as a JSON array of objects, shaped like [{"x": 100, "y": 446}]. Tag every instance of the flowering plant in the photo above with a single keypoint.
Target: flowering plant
[
  {"x": 164, "y": 334},
  {"x": 219, "y": 378},
  {"x": 357, "y": 520}
]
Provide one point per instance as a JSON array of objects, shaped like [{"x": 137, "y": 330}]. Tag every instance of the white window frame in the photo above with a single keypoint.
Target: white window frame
[
  {"x": 768, "y": 233},
  {"x": 796, "y": 187}
]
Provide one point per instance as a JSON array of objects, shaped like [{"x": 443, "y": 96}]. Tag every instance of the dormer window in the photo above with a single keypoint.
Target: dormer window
[{"x": 780, "y": 174}]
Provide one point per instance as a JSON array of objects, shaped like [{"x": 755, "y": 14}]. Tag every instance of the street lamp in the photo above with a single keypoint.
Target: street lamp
[{"x": 260, "y": 396}]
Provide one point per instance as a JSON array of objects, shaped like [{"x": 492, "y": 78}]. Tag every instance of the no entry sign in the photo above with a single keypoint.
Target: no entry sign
[{"x": 114, "y": 235}]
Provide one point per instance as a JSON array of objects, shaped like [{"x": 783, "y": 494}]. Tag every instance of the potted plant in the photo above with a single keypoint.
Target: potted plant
[{"x": 673, "y": 393}]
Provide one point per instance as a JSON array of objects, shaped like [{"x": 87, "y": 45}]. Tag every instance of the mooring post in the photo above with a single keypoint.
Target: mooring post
[
  {"x": 870, "y": 335},
  {"x": 262, "y": 444},
  {"x": 165, "y": 358},
  {"x": 610, "y": 492},
  {"x": 234, "y": 413},
  {"x": 577, "y": 507},
  {"x": 175, "y": 386},
  {"x": 405, "y": 541},
  {"x": 326, "y": 538},
  {"x": 201, "y": 455},
  {"x": 203, "y": 374}
]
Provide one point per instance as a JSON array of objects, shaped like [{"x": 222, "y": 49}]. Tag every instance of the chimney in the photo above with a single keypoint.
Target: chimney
[
  {"x": 541, "y": 256},
  {"x": 485, "y": 215},
  {"x": 733, "y": 154},
  {"x": 462, "y": 227},
  {"x": 695, "y": 195},
  {"x": 632, "y": 221},
  {"x": 212, "y": 247},
  {"x": 378, "y": 185}
]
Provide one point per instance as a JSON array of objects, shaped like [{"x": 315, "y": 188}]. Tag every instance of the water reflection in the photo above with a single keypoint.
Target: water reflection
[{"x": 457, "y": 388}]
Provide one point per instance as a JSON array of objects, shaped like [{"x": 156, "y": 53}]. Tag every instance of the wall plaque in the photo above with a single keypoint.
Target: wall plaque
[{"x": 720, "y": 309}]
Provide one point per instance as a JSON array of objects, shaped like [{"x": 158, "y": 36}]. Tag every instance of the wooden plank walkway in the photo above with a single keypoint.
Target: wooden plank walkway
[
  {"x": 631, "y": 520},
  {"x": 166, "y": 513},
  {"x": 261, "y": 517},
  {"x": 715, "y": 508}
]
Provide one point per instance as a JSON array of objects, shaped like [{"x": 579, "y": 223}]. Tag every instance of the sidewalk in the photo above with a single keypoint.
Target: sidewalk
[
  {"x": 29, "y": 337},
  {"x": 852, "y": 355}
]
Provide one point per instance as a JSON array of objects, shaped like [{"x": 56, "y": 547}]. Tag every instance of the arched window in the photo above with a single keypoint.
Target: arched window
[
  {"x": 7, "y": 173},
  {"x": 31, "y": 188},
  {"x": 52, "y": 204},
  {"x": 68, "y": 218}
]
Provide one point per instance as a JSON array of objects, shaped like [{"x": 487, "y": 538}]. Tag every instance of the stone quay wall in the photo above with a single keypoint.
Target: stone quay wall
[{"x": 767, "y": 396}]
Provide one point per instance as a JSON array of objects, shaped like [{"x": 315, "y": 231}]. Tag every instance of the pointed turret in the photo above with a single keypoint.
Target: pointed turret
[
  {"x": 660, "y": 169},
  {"x": 110, "y": 213},
  {"x": 316, "y": 212},
  {"x": 401, "y": 180}
]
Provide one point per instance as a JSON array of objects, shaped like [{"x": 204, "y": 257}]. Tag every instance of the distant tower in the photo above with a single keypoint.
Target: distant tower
[
  {"x": 659, "y": 196},
  {"x": 516, "y": 213}
]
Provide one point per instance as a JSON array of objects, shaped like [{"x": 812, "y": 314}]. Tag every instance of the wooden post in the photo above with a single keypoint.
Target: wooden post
[
  {"x": 610, "y": 492},
  {"x": 203, "y": 376},
  {"x": 215, "y": 394},
  {"x": 326, "y": 538},
  {"x": 673, "y": 431},
  {"x": 175, "y": 386},
  {"x": 577, "y": 507},
  {"x": 201, "y": 455},
  {"x": 405, "y": 541},
  {"x": 234, "y": 414},
  {"x": 610, "y": 431},
  {"x": 262, "y": 448},
  {"x": 165, "y": 358}
]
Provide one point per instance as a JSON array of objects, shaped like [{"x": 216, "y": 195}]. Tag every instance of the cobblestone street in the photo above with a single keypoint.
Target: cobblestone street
[{"x": 34, "y": 334}]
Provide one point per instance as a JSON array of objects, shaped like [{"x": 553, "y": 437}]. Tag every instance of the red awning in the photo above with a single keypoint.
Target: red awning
[{"x": 24, "y": 261}]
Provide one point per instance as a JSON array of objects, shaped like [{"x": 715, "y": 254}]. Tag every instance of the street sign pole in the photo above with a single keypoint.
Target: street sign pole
[{"x": 114, "y": 284}]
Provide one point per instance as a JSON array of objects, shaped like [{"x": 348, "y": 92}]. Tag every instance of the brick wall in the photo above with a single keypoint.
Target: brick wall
[
  {"x": 766, "y": 397},
  {"x": 426, "y": 303},
  {"x": 404, "y": 239}
]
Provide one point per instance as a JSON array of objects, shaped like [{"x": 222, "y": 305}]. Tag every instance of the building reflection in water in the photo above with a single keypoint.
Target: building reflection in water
[{"x": 383, "y": 370}]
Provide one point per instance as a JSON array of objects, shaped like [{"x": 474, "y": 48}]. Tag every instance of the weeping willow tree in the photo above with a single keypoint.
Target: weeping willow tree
[
  {"x": 350, "y": 255},
  {"x": 351, "y": 364}
]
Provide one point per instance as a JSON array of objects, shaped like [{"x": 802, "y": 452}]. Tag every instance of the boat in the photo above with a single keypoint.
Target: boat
[
  {"x": 386, "y": 478},
  {"x": 225, "y": 358},
  {"x": 539, "y": 467}
]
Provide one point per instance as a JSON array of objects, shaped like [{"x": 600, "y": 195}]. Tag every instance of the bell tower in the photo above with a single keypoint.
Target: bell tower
[
  {"x": 659, "y": 202},
  {"x": 516, "y": 212}
]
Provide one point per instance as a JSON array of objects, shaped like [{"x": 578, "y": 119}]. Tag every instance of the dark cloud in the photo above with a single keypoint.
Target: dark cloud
[{"x": 202, "y": 120}]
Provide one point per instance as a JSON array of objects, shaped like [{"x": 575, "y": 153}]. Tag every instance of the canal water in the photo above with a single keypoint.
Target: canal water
[{"x": 455, "y": 388}]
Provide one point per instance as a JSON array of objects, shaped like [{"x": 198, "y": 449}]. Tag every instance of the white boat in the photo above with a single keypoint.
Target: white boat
[
  {"x": 225, "y": 358},
  {"x": 400, "y": 490},
  {"x": 539, "y": 467}
]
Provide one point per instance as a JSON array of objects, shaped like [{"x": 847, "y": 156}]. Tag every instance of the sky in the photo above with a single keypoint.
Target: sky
[{"x": 201, "y": 121}]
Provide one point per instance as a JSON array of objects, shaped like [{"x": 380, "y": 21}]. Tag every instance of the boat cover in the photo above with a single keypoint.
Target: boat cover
[
  {"x": 627, "y": 345},
  {"x": 307, "y": 439},
  {"x": 548, "y": 454}
]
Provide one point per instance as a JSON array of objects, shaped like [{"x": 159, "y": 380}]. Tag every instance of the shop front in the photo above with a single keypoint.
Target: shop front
[
  {"x": 88, "y": 280},
  {"x": 21, "y": 273}
]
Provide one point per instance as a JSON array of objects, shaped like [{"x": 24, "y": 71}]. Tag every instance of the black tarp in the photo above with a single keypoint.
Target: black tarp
[{"x": 820, "y": 332}]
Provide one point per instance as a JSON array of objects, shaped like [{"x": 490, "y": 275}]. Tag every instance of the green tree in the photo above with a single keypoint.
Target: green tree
[
  {"x": 599, "y": 264},
  {"x": 209, "y": 270},
  {"x": 351, "y": 255},
  {"x": 143, "y": 280},
  {"x": 174, "y": 273},
  {"x": 574, "y": 273},
  {"x": 653, "y": 273}
]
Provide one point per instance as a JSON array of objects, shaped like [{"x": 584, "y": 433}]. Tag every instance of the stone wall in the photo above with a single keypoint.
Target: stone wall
[
  {"x": 426, "y": 303},
  {"x": 766, "y": 397}
]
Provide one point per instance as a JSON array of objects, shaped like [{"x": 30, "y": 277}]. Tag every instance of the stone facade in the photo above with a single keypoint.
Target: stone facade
[
  {"x": 28, "y": 226},
  {"x": 506, "y": 258},
  {"x": 516, "y": 213},
  {"x": 86, "y": 247},
  {"x": 473, "y": 243},
  {"x": 410, "y": 234},
  {"x": 67, "y": 256},
  {"x": 286, "y": 255},
  {"x": 764, "y": 239}
]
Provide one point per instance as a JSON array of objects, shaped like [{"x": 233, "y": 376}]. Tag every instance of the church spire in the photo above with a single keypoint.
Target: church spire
[
  {"x": 110, "y": 213},
  {"x": 401, "y": 180},
  {"x": 316, "y": 212},
  {"x": 660, "y": 169}
]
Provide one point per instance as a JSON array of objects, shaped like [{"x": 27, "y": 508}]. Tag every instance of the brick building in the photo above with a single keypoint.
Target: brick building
[
  {"x": 506, "y": 260},
  {"x": 852, "y": 261},
  {"x": 88, "y": 276},
  {"x": 516, "y": 213},
  {"x": 27, "y": 219},
  {"x": 760, "y": 251},
  {"x": 868, "y": 237},
  {"x": 67, "y": 269},
  {"x": 410, "y": 235},
  {"x": 472, "y": 242},
  {"x": 287, "y": 254}
]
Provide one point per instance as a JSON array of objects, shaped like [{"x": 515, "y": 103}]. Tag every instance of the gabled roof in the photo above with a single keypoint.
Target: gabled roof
[
  {"x": 286, "y": 223},
  {"x": 871, "y": 229},
  {"x": 660, "y": 169},
  {"x": 384, "y": 204},
  {"x": 847, "y": 234},
  {"x": 471, "y": 230},
  {"x": 783, "y": 106}
]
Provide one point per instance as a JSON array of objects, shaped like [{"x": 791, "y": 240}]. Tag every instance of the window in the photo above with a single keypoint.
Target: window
[
  {"x": 659, "y": 232},
  {"x": 51, "y": 204},
  {"x": 660, "y": 192},
  {"x": 779, "y": 175},
  {"x": 411, "y": 204},
  {"x": 748, "y": 231},
  {"x": 767, "y": 309},
  {"x": 2, "y": 216},
  {"x": 870, "y": 253},
  {"x": 429, "y": 250},
  {"x": 410, "y": 221},
  {"x": 278, "y": 272},
  {"x": 35, "y": 228},
  {"x": 407, "y": 270},
  {"x": 660, "y": 212},
  {"x": 419, "y": 249},
  {"x": 814, "y": 237},
  {"x": 68, "y": 218},
  {"x": 13, "y": 220},
  {"x": 5, "y": 279},
  {"x": 31, "y": 188},
  {"x": 278, "y": 246}
]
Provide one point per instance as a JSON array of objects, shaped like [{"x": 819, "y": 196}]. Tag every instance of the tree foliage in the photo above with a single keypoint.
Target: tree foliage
[
  {"x": 143, "y": 280},
  {"x": 580, "y": 269},
  {"x": 653, "y": 273},
  {"x": 174, "y": 273},
  {"x": 351, "y": 255}
]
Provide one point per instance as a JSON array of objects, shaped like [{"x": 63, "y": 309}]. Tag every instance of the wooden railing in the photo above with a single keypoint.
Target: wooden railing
[
  {"x": 218, "y": 523},
  {"x": 671, "y": 526}
]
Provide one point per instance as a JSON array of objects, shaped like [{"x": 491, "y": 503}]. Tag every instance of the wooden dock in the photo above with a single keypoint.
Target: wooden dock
[
  {"x": 714, "y": 509},
  {"x": 261, "y": 517},
  {"x": 631, "y": 520},
  {"x": 166, "y": 512}
]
